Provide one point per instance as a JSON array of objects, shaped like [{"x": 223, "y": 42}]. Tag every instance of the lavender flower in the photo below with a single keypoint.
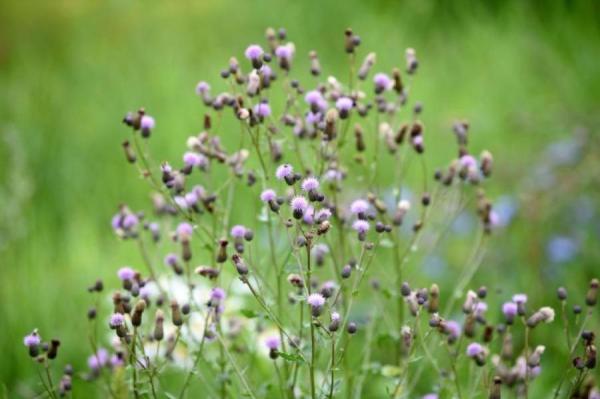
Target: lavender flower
[
  {"x": 476, "y": 352},
  {"x": 268, "y": 195},
  {"x": 272, "y": 342}
]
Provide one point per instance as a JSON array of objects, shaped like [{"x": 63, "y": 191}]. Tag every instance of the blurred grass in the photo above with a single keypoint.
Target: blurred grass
[{"x": 523, "y": 74}]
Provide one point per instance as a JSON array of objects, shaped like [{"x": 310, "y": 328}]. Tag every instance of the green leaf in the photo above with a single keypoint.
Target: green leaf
[
  {"x": 391, "y": 371},
  {"x": 291, "y": 357},
  {"x": 249, "y": 313}
]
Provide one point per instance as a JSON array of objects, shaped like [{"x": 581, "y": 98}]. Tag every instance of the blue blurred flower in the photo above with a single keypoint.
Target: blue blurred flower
[{"x": 561, "y": 249}]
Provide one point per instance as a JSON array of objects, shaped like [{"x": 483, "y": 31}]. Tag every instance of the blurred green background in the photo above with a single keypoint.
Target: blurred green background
[{"x": 525, "y": 74}]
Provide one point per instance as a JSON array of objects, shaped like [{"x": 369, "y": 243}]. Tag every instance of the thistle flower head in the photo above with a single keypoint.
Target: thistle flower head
[
  {"x": 116, "y": 320},
  {"x": 310, "y": 184},
  {"x": 519, "y": 298},
  {"x": 32, "y": 339},
  {"x": 361, "y": 226},
  {"x": 262, "y": 110},
  {"x": 316, "y": 300},
  {"x": 284, "y": 171},
  {"x": 202, "y": 88},
  {"x": 238, "y": 231},
  {"x": 147, "y": 122},
  {"x": 359, "y": 206},
  {"x": 184, "y": 230},
  {"x": 299, "y": 203},
  {"x": 170, "y": 259},
  {"x": 217, "y": 294},
  {"x": 253, "y": 52},
  {"x": 268, "y": 195},
  {"x": 322, "y": 215},
  {"x": 98, "y": 360},
  {"x": 314, "y": 98},
  {"x": 382, "y": 82},
  {"x": 509, "y": 309},
  {"x": 344, "y": 104},
  {"x": 285, "y": 51},
  {"x": 272, "y": 342},
  {"x": 126, "y": 273},
  {"x": 474, "y": 349}
]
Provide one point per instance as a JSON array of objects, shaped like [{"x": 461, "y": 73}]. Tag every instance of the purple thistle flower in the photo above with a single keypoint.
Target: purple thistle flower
[
  {"x": 299, "y": 203},
  {"x": 116, "y": 320},
  {"x": 453, "y": 329},
  {"x": 191, "y": 199},
  {"x": 116, "y": 361},
  {"x": 129, "y": 221},
  {"x": 359, "y": 207},
  {"x": 126, "y": 273},
  {"x": 272, "y": 342},
  {"x": 262, "y": 110},
  {"x": 285, "y": 52},
  {"x": 285, "y": 171},
  {"x": 316, "y": 302},
  {"x": 310, "y": 184},
  {"x": 147, "y": 122},
  {"x": 322, "y": 215},
  {"x": 309, "y": 215},
  {"x": 468, "y": 161},
  {"x": 382, "y": 82},
  {"x": 519, "y": 298},
  {"x": 238, "y": 231},
  {"x": 344, "y": 105},
  {"x": 313, "y": 118},
  {"x": 98, "y": 360},
  {"x": 268, "y": 195},
  {"x": 202, "y": 88},
  {"x": 361, "y": 226},
  {"x": 192, "y": 159},
  {"x": 474, "y": 349},
  {"x": 32, "y": 340},
  {"x": 253, "y": 52},
  {"x": 184, "y": 230},
  {"x": 431, "y": 396},
  {"x": 314, "y": 98},
  {"x": 217, "y": 294},
  {"x": 509, "y": 309},
  {"x": 171, "y": 259}
]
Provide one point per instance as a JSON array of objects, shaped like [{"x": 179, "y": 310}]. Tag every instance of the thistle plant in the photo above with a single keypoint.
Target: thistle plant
[{"x": 279, "y": 257}]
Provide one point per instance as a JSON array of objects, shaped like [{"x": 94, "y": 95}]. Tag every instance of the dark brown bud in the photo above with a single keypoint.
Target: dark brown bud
[
  {"x": 53, "y": 349},
  {"x": 159, "y": 332},
  {"x": 136, "y": 318},
  {"x": 222, "y": 254},
  {"x": 176, "y": 317},
  {"x": 591, "y": 297},
  {"x": 129, "y": 153}
]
